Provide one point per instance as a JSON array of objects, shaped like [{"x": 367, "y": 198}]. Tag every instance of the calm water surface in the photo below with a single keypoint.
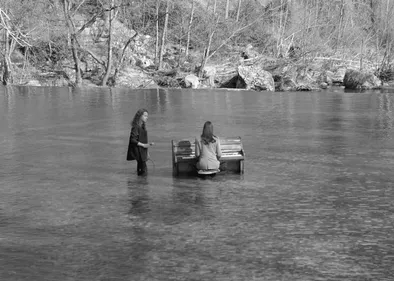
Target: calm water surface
[{"x": 316, "y": 201}]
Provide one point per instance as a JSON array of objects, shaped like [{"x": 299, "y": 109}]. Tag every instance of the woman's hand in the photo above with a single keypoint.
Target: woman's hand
[{"x": 144, "y": 145}]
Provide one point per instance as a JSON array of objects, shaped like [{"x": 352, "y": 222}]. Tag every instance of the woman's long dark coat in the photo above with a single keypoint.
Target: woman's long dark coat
[{"x": 135, "y": 152}]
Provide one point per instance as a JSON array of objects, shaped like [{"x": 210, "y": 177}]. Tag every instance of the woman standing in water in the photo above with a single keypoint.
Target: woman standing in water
[
  {"x": 208, "y": 151},
  {"x": 138, "y": 143}
]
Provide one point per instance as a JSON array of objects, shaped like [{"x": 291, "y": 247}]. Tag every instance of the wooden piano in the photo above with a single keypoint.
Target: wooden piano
[{"x": 184, "y": 159}]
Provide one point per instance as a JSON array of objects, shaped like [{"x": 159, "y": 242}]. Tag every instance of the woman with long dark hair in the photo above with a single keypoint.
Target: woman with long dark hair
[
  {"x": 208, "y": 151},
  {"x": 138, "y": 142}
]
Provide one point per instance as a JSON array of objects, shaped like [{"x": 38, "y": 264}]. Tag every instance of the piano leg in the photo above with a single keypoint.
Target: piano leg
[{"x": 175, "y": 171}]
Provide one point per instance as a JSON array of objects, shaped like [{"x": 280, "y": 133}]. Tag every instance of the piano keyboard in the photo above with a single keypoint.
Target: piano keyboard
[
  {"x": 228, "y": 155},
  {"x": 187, "y": 157},
  {"x": 232, "y": 155}
]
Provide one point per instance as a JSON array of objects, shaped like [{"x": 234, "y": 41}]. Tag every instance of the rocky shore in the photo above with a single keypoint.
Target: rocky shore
[
  {"x": 235, "y": 67},
  {"x": 260, "y": 73}
]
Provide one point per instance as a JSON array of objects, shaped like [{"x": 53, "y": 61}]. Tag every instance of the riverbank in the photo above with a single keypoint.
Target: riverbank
[
  {"x": 257, "y": 74},
  {"x": 234, "y": 67}
]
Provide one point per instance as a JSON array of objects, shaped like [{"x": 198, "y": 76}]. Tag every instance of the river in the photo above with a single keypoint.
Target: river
[{"x": 316, "y": 201}]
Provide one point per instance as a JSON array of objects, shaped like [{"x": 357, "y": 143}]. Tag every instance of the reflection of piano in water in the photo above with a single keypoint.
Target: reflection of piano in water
[{"x": 184, "y": 159}]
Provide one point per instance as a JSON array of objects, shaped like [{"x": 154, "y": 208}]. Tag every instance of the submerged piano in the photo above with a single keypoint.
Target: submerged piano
[{"x": 184, "y": 159}]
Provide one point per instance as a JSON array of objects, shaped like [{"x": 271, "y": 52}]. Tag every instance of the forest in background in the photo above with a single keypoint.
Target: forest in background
[{"x": 50, "y": 34}]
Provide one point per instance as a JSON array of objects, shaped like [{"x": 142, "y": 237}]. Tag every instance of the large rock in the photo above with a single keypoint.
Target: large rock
[
  {"x": 292, "y": 77},
  {"x": 338, "y": 75},
  {"x": 32, "y": 82},
  {"x": 355, "y": 79},
  {"x": 256, "y": 78},
  {"x": 210, "y": 73},
  {"x": 192, "y": 80}
]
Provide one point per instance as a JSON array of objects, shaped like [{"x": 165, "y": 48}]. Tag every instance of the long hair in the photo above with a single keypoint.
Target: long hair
[
  {"x": 207, "y": 133},
  {"x": 137, "y": 118}
]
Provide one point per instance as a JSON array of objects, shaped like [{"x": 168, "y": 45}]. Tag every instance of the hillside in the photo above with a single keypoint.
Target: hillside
[{"x": 139, "y": 44}]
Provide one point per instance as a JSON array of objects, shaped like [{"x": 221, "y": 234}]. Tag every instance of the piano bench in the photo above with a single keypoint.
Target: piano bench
[{"x": 184, "y": 159}]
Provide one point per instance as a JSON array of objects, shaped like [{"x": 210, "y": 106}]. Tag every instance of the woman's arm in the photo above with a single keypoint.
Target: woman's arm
[
  {"x": 197, "y": 148},
  {"x": 218, "y": 149},
  {"x": 134, "y": 138}
]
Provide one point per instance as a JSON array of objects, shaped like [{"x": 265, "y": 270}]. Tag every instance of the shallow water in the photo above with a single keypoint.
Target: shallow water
[{"x": 315, "y": 202}]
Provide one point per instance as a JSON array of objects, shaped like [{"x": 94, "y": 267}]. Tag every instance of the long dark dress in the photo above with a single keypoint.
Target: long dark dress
[{"x": 135, "y": 152}]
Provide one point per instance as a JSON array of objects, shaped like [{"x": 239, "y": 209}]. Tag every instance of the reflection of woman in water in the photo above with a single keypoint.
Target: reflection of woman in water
[
  {"x": 138, "y": 142},
  {"x": 208, "y": 150}
]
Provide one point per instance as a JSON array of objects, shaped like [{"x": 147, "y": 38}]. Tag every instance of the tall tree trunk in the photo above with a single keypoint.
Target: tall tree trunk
[
  {"x": 73, "y": 41},
  {"x": 189, "y": 29},
  {"x": 361, "y": 54},
  {"x": 119, "y": 65},
  {"x": 157, "y": 33},
  {"x": 7, "y": 71},
  {"x": 143, "y": 14},
  {"x": 109, "y": 49},
  {"x": 11, "y": 38},
  {"x": 227, "y": 8},
  {"x": 279, "y": 44},
  {"x": 207, "y": 50},
  {"x": 77, "y": 62},
  {"x": 341, "y": 19},
  {"x": 238, "y": 9},
  {"x": 163, "y": 38}
]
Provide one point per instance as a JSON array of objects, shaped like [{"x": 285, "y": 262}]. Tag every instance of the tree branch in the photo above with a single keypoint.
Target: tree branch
[
  {"x": 19, "y": 37},
  {"x": 93, "y": 55},
  {"x": 89, "y": 23},
  {"x": 231, "y": 36}
]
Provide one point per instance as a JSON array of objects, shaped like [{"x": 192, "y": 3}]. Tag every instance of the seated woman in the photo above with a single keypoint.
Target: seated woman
[{"x": 207, "y": 149}]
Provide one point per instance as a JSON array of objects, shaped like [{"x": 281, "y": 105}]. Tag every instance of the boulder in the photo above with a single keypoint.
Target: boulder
[
  {"x": 192, "y": 80},
  {"x": 293, "y": 77},
  {"x": 33, "y": 82},
  {"x": 338, "y": 75},
  {"x": 308, "y": 78},
  {"x": 256, "y": 78},
  {"x": 326, "y": 77},
  {"x": 210, "y": 73},
  {"x": 355, "y": 79}
]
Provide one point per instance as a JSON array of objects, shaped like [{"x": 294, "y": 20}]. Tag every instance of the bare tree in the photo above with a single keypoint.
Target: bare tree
[
  {"x": 227, "y": 9},
  {"x": 111, "y": 16},
  {"x": 163, "y": 38},
  {"x": 122, "y": 56},
  {"x": 12, "y": 37},
  {"x": 69, "y": 9},
  {"x": 238, "y": 9},
  {"x": 340, "y": 25},
  {"x": 189, "y": 29},
  {"x": 157, "y": 31},
  {"x": 73, "y": 40}
]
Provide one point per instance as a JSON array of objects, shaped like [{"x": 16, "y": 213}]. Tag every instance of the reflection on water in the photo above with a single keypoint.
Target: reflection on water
[
  {"x": 315, "y": 202},
  {"x": 385, "y": 119}
]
